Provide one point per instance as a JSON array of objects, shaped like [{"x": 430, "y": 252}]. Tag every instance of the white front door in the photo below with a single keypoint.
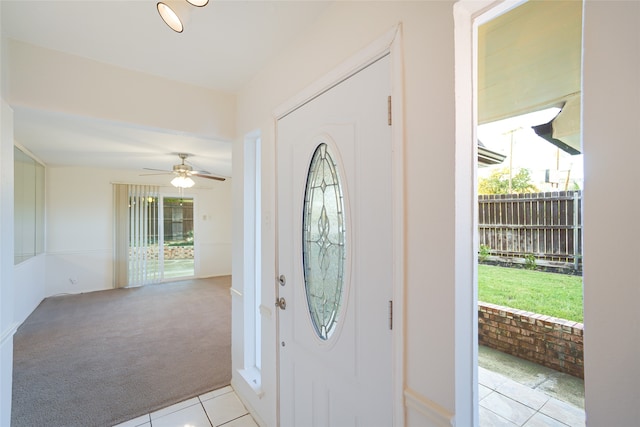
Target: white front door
[{"x": 335, "y": 256}]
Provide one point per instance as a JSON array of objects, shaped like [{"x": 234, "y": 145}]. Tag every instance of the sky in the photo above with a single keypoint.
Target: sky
[{"x": 514, "y": 136}]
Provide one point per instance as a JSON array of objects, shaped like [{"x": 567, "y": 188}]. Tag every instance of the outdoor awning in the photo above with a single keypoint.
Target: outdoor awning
[{"x": 529, "y": 59}]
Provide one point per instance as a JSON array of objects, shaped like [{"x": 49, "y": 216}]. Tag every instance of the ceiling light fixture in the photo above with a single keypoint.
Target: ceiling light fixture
[
  {"x": 182, "y": 181},
  {"x": 171, "y": 11},
  {"x": 198, "y": 3},
  {"x": 170, "y": 17}
]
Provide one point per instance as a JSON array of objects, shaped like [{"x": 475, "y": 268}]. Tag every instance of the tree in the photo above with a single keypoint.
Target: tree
[{"x": 498, "y": 182}]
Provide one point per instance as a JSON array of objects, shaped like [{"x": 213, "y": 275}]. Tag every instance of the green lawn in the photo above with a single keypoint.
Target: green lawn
[{"x": 553, "y": 294}]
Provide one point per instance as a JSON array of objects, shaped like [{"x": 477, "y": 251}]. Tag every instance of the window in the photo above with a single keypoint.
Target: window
[
  {"x": 323, "y": 242},
  {"x": 28, "y": 206},
  {"x": 253, "y": 265}
]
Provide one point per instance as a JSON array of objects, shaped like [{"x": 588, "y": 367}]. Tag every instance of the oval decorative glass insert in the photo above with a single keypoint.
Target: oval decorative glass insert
[{"x": 323, "y": 242}]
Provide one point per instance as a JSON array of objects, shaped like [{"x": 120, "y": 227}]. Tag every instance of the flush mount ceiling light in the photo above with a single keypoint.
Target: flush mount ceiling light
[{"x": 175, "y": 12}]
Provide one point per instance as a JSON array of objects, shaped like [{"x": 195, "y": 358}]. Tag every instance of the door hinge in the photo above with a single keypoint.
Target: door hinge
[
  {"x": 389, "y": 110},
  {"x": 391, "y": 315}
]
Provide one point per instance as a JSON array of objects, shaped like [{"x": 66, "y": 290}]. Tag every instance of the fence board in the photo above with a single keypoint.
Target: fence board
[{"x": 547, "y": 225}]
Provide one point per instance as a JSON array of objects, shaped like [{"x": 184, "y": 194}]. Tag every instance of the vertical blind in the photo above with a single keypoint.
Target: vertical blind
[{"x": 136, "y": 235}]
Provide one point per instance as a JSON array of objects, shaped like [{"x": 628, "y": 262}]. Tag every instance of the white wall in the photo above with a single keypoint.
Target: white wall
[
  {"x": 80, "y": 218},
  {"x": 29, "y": 286},
  {"x": 80, "y": 226},
  {"x": 8, "y": 324},
  {"x": 342, "y": 30},
  {"x": 85, "y": 87},
  {"x": 611, "y": 132},
  {"x": 611, "y": 136}
]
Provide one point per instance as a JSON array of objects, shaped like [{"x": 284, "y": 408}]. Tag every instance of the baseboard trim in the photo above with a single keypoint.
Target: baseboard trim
[
  {"x": 84, "y": 252},
  {"x": 437, "y": 414},
  {"x": 235, "y": 385},
  {"x": 9, "y": 333}
]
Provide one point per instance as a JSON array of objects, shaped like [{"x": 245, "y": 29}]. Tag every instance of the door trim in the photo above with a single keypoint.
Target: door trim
[
  {"x": 467, "y": 15},
  {"x": 390, "y": 44}
]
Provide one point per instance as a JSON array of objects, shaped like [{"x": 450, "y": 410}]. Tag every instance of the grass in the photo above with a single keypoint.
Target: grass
[{"x": 552, "y": 294}]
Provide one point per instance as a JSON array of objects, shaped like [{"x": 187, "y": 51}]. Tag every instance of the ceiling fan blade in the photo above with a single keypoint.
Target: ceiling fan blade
[
  {"x": 159, "y": 170},
  {"x": 217, "y": 178},
  {"x": 195, "y": 169},
  {"x": 161, "y": 173}
]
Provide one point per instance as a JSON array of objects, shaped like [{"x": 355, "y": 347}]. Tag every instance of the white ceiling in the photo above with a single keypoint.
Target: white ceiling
[
  {"x": 65, "y": 140},
  {"x": 222, "y": 47}
]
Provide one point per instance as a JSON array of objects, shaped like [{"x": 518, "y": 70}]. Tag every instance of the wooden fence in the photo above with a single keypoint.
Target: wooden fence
[{"x": 545, "y": 225}]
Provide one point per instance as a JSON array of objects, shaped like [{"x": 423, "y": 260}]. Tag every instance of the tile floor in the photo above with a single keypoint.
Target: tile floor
[
  {"x": 216, "y": 408},
  {"x": 503, "y": 403},
  {"x": 507, "y": 403}
]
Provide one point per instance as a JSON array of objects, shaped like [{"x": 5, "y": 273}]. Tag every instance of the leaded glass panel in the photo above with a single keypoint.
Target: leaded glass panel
[{"x": 323, "y": 242}]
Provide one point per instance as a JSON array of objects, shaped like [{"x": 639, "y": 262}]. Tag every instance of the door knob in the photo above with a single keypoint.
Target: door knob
[{"x": 282, "y": 303}]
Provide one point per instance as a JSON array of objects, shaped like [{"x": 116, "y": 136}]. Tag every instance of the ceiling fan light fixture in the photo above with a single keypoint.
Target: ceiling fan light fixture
[
  {"x": 198, "y": 3},
  {"x": 170, "y": 17},
  {"x": 181, "y": 181}
]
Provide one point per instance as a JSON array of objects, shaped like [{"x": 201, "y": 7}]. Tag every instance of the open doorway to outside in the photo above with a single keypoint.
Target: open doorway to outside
[
  {"x": 529, "y": 182},
  {"x": 155, "y": 236},
  {"x": 178, "y": 235}
]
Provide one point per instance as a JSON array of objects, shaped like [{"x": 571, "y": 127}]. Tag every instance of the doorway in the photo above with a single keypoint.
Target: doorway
[
  {"x": 155, "y": 235},
  {"x": 335, "y": 257},
  {"x": 528, "y": 215},
  {"x": 178, "y": 236}
]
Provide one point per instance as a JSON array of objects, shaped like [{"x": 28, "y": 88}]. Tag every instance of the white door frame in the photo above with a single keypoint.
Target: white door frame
[
  {"x": 468, "y": 14},
  {"x": 389, "y": 43}
]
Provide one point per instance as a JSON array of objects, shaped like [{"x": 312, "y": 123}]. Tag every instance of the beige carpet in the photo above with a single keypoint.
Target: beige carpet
[{"x": 101, "y": 358}]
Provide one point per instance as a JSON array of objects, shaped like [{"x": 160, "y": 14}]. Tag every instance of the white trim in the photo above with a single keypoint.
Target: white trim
[
  {"x": 465, "y": 365},
  {"x": 435, "y": 413},
  {"x": 29, "y": 153},
  {"x": 390, "y": 43},
  {"x": 235, "y": 293},
  {"x": 253, "y": 378},
  {"x": 265, "y": 311},
  {"x": 9, "y": 333},
  {"x": 236, "y": 385},
  {"x": 83, "y": 252},
  {"x": 359, "y": 61},
  {"x": 398, "y": 186},
  {"x": 468, "y": 14}
]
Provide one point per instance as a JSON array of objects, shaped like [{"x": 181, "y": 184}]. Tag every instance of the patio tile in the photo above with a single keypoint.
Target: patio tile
[
  {"x": 507, "y": 408},
  {"x": 483, "y": 392},
  {"x": 541, "y": 420},
  {"x": 532, "y": 398},
  {"x": 491, "y": 419},
  {"x": 564, "y": 412},
  {"x": 490, "y": 379}
]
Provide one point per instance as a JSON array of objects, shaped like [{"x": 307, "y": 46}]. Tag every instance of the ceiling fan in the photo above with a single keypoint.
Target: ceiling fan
[{"x": 183, "y": 173}]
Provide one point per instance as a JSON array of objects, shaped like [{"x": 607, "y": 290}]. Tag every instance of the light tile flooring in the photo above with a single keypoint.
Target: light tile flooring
[
  {"x": 217, "y": 408},
  {"x": 503, "y": 403},
  {"x": 507, "y": 403}
]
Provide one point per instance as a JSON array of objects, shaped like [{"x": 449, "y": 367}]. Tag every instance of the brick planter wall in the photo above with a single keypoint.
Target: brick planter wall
[
  {"x": 178, "y": 252},
  {"x": 548, "y": 341},
  {"x": 171, "y": 252}
]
